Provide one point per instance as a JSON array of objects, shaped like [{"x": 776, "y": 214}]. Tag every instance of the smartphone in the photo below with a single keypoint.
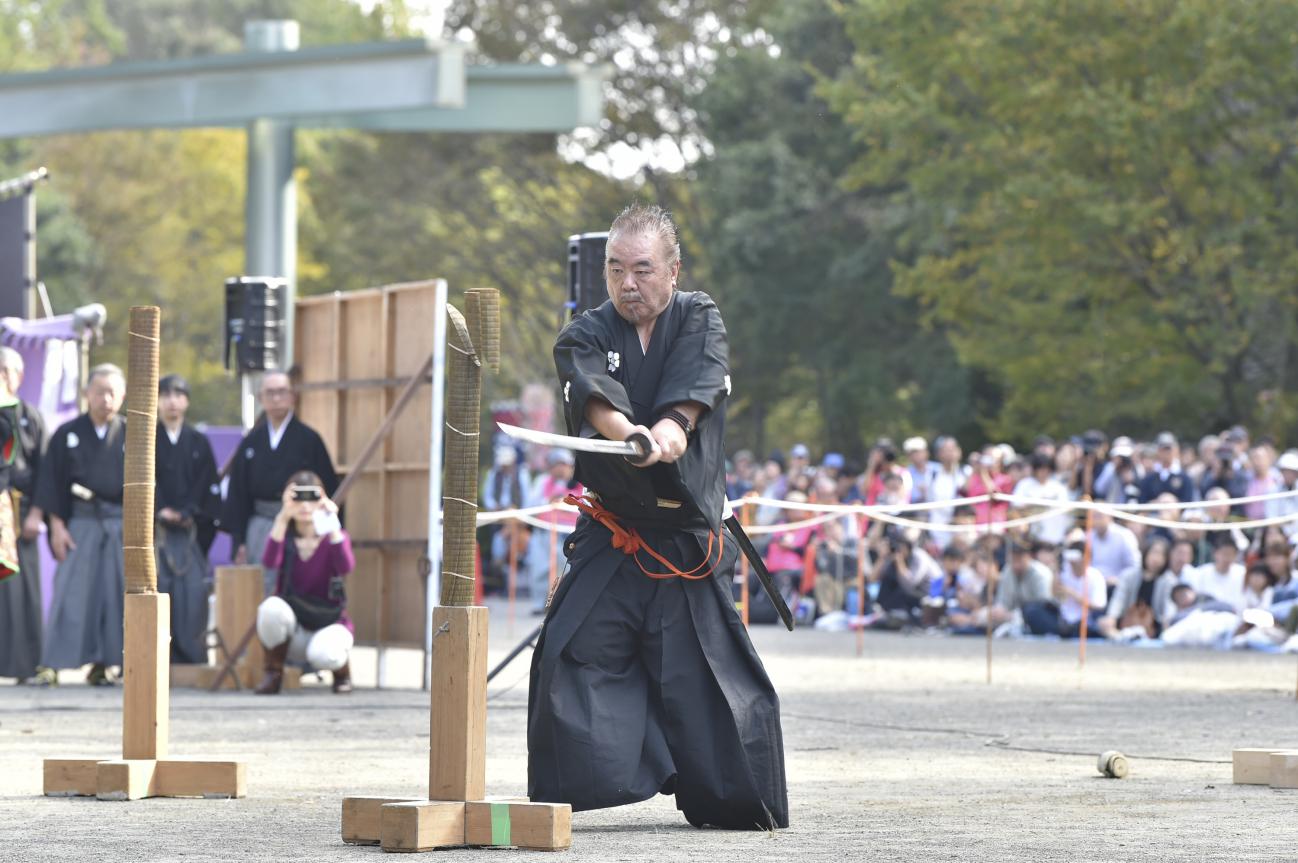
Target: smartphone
[{"x": 306, "y": 492}]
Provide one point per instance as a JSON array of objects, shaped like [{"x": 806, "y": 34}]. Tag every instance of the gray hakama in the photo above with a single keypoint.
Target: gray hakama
[
  {"x": 182, "y": 573},
  {"x": 85, "y": 622}
]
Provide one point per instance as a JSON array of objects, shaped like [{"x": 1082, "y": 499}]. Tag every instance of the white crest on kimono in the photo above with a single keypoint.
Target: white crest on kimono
[
  {"x": 727, "y": 383},
  {"x": 248, "y": 453},
  {"x": 73, "y": 440},
  {"x": 567, "y": 385},
  {"x": 614, "y": 360}
]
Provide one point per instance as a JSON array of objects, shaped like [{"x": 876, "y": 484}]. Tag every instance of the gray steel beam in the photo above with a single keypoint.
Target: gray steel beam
[{"x": 234, "y": 89}]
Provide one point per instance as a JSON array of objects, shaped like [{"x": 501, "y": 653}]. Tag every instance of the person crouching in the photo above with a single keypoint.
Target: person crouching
[{"x": 306, "y": 618}]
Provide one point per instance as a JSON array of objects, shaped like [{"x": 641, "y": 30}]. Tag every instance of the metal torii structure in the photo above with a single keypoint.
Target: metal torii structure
[{"x": 272, "y": 88}]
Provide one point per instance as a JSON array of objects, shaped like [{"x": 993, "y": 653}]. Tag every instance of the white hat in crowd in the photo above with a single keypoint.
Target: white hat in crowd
[
  {"x": 914, "y": 444},
  {"x": 1288, "y": 461}
]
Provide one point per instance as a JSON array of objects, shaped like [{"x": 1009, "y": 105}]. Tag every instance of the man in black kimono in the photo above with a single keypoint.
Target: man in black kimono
[
  {"x": 644, "y": 679},
  {"x": 186, "y": 496},
  {"x": 277, "y": 447},
  {"x": 20, "y": 595},
  {"x": 80, "y": 489}
]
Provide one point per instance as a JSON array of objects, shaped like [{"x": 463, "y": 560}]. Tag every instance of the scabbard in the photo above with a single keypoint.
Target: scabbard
[{"x": 759, "y": 569}]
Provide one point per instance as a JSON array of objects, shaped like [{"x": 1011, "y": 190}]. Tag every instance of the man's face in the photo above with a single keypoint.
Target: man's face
[
  {"x": 276, "y": 396},
  {"x": 919, "y": 457},
  {"x": 1182, "y": 555},
  {"x": 1167, "y": 455},
  {"x": 1101, "y": 522},
  {"x": 1223, "y": 556},
  {"x": 640, "y": 283},
  {"x": 949, "y": 452},
  {"x": 104, "y": 395},
  {"x": 172, "y": 406},
  {"x": 1019, "y": 561}
]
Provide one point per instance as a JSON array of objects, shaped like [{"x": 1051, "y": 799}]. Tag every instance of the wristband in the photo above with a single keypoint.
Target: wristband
[{"x": 680, "y": 419}]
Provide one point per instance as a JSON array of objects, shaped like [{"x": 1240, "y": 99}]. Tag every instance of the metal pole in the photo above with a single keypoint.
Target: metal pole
[
  {"x": 270, "y": 227},
  {"x": 433, "y": 582},
  {"x": 29, "y": 253}
]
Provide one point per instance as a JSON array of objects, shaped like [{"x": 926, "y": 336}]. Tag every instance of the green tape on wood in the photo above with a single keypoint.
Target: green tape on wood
[{"x": 500, "y": 824}]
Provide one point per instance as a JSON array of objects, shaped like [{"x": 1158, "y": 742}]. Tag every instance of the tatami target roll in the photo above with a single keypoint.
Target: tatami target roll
[
  {"x": 460, "y": 483},
  {"x": 483, "y": 307},
  {"x": 141, "y": 438}
]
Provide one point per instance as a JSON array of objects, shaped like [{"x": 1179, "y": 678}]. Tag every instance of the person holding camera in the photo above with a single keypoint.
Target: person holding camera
[{"x": 306, "y": 620}]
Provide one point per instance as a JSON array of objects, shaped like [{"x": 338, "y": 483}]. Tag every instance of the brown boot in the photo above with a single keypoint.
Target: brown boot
[
  {"x": 274, "y": 678},
  {"x": 343, "y": 680}
]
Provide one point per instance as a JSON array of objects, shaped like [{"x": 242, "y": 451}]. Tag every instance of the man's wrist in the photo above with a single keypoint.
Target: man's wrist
[{"x": 679, "y": 418}]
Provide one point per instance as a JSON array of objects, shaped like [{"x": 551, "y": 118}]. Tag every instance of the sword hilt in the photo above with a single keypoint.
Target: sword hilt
[{"x": 641, "y": 441}]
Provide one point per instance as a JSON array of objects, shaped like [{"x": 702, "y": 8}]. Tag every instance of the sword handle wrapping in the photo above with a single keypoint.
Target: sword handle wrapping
[{"x": 641, "y": 441}]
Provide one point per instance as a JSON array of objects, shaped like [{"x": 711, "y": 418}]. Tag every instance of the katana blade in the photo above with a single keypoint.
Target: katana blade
[{"x": 631, "y": 449}]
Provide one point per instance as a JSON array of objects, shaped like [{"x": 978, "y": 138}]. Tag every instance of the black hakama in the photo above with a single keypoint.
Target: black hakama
[
  {"x": 642, "y": 685},
  {"x": 20, "y": 595}
]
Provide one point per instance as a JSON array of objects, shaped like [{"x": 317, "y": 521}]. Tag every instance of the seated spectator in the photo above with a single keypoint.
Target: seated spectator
[
  {"x": 1199, "y": 621},
  {"x": 1078, "y": 592},
  {"x": 1024, "y": 580},
  {"x": 904, "y": 574},
  {"x": 1221, "y": 579},
  {"x": 1041, "y": 484},
  {"x": 1114, "y": 548},
  {"x": 1181, "y": 560},
  {"x": 1143, "y": 599},
  {"x": 943, "y": 594},
  {"x": 306, "y": 620},
  {"x": 1259, "y": 587},
  {"x": 967, "y": 608},
  {"x": 1278, "y": 560},
  {"x": 1168, "y": 535}
]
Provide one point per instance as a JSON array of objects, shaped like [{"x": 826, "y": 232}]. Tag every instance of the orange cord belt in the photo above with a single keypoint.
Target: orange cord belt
[{"x": 628, "y": 541}]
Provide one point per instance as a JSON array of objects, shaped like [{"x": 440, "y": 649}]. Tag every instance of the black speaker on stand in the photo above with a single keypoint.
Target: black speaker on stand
[{"x": 586, "y": 272}]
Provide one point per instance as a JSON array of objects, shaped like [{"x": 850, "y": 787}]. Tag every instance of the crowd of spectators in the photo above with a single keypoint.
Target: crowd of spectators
[{"x": 1174, "y": 582}]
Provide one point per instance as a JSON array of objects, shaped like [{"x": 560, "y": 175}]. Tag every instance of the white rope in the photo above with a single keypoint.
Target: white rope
[{"x": 1155, "y": 507}]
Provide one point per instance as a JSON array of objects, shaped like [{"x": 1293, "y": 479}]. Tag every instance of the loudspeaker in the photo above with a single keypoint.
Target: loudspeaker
[
  {"x": 255, "y": 319},
  {"x": 586, "y": 288}
]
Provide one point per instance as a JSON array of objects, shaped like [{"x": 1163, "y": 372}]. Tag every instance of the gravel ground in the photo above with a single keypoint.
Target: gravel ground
[{"x": 904, "y": 753}]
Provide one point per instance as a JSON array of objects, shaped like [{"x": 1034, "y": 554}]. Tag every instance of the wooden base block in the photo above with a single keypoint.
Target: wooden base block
[
  {"x": 210, "y": 779},
  {"x": 421, "y": 825},
  {"x": 146, "y": 687},
  {"x": 126, "y": 779},
  {"x": 1252, "y": 766},
  {"x": 361, "y": 818},
  {"x": 133, "y": 779},
  {"x": 537, "y": 826},
  {"x": 1284, "y": 769},
  {"x": 71, "y": 777}
]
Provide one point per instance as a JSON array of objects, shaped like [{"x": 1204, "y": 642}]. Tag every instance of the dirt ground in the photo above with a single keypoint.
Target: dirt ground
[{"x": 904, "y": 753}]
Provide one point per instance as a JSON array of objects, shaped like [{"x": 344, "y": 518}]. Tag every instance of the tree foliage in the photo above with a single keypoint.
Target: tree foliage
[{"x": 1100, "y": 196}]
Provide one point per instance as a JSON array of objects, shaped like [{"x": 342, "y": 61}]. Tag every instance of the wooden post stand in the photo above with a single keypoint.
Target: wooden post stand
[
  {"x": 144, "y": 769},
  {"x": 457, "y": 813}
]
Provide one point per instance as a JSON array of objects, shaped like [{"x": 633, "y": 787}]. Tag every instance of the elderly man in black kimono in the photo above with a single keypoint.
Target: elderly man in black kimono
[
  {"x": 277, "y": 447},
  {"x": 80, "y": 490},
  {"x": 20, "y": 596},
  {"x": 186, "y": 497},
  {"x": 644, "y": 680}
]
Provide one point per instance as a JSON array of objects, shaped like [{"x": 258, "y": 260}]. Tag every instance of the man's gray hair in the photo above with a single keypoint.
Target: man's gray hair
[
  {"x": 105, "y": 370},
  {"x": 648, "y": 220},
  {"x": 10, "y": 359}
]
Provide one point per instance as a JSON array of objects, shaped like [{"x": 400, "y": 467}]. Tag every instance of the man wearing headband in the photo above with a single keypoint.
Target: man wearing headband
[{"x": 186, "y": 499}]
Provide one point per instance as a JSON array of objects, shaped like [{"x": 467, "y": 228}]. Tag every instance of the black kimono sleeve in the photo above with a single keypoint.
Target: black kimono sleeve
[
  {"x": 238, "y": 498},
  {"x": 581, "y": 359},
  {"x": 31, "y": 438},
  {"x": 53, "y": 483},
  {"x": 198, "y": 497},
  {"x": 697, "y": 369}
]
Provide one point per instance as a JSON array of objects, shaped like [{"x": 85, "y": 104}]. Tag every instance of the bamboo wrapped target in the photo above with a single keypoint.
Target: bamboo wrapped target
[
  {"x": 141, "y": 439},
  {"x": 463, "y": 402}
]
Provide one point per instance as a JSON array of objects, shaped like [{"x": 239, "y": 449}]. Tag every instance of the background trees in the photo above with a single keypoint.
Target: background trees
[{"x": 992, "y": 219}]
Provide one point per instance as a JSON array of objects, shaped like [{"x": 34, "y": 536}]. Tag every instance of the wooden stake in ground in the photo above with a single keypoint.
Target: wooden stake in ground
[
  {"x": 143, "y": 770},
  {"x": 990, "y": 588},
  {"x": 456, "y": 813}
]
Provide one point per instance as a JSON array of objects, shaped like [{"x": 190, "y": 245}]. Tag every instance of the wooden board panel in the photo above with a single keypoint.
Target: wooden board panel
[
  {"x": 1284, "y": 769},
  {"x": 421, "y": 826},
  {"x": 405, "y": 597},
  {"x": 363, "y": 509},
  {"x": 539, "y": 826},
  {"x": 239, "y": 591},
  {"x": 407, "y": 503},
  {"x": 362, "y": 595},
  {"x": 146, "y": 688},
  {"x": 194, "y": 778},
  {"x": 71, "y": 777},
  {"x": 457, "y": 757},
  {"x": 361, "y": 818}
]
